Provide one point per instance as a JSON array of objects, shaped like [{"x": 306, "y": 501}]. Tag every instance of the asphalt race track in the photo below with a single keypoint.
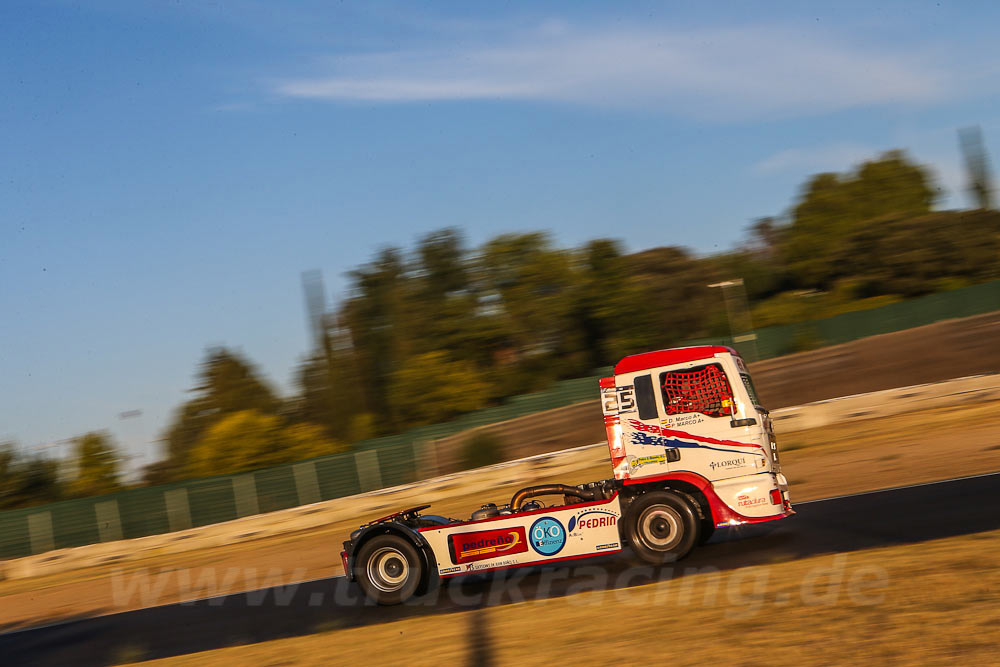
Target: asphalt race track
[{"x": 882, "y": 518}]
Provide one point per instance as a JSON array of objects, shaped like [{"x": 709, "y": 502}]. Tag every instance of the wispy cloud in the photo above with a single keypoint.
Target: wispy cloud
[
  {"x": 936, "y": 150},
  {"x": 726, "y": 73},
  {"x": 829, "y": 157}
]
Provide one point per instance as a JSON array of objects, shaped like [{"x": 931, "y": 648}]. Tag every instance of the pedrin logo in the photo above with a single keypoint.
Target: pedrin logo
[
  {"x": 592, "y": 519},
  {"x": 548, "y": 536},
  {"x": 482, "y": 544}
]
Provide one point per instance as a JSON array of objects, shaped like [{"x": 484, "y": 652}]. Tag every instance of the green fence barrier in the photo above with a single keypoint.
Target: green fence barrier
[
  {"x": 189, "y": 504},
  {"x": 394, "y": 460},
  {"x": 843, "y": 328}
]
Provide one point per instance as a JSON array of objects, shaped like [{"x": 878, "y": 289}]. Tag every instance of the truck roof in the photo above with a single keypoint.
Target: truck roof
[{"x": 676, "y": 355}]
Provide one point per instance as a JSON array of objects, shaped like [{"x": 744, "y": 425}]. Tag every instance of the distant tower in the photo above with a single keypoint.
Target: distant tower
[
  {"x": 315, "y": 294},
  {"x": 977, "y": 165}
]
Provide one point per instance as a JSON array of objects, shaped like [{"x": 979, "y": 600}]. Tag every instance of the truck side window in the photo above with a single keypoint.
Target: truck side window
[
  {"x": 645, "y": 397},
  {"x": 703, "y": 389}
]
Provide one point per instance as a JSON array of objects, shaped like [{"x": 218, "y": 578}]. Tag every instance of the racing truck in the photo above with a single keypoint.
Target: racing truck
[{"x": 692, "y": 451}]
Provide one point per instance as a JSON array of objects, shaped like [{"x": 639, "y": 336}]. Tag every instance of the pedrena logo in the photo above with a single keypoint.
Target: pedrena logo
[{"x": 482, "y": 544}]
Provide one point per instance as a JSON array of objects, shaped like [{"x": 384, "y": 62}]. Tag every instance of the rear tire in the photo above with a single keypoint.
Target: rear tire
[
  {"x": 661, "y": 527},
  {"x": 388, "y": 569},
  {"x": 707, "y": 530}
]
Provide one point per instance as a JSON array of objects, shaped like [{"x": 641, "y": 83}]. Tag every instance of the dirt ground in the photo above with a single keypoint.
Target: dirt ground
[
  {"x": 932, "y": 604},
  {"x": 939, "y": 351},
  {"x": 849, "y": 458}
]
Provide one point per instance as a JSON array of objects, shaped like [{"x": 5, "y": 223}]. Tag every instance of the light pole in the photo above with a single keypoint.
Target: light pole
[{"x": 738, "y": 311}]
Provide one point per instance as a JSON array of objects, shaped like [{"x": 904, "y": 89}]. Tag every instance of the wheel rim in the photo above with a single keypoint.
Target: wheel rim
[
  {"x": 661, "y": 528},
  {"x": 388, "y": 569}
]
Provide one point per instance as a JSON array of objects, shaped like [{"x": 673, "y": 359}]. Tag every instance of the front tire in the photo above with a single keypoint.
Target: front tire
[
  {"x": 661, "y": 527},
  {"x": 388, "y": 569}
]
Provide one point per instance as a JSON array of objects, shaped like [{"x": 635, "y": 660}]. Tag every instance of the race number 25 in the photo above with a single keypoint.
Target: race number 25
[{"x": 615, "y": 400}]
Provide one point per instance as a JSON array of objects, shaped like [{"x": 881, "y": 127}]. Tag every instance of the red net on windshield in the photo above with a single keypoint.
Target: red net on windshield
[{"x": 703, "y": 389}]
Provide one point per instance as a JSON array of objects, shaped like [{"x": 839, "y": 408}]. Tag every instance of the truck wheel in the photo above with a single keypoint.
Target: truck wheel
[
  {"x": 388, "y": 569},
  {"x": 661, "y": 527},
  {"x": 707, "y": 530}
]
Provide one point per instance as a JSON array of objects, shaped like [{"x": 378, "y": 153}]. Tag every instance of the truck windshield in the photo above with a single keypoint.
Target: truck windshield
[{"x": 748, "y": 383}]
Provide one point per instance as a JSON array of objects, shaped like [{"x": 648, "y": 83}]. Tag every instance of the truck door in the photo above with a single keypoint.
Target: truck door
[
  {"x": 640, "y": 412},
  {"x": 701, "y": 416}
]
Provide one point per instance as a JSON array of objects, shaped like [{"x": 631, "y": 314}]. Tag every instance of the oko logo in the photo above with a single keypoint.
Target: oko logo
[{"x": 548, "y": 536}]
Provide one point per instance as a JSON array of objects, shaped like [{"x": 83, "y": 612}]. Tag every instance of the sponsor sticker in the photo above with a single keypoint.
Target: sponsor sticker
[
  {"x": 506, "y": 562},
  {"x": 737, "y": 462},
  {"x": 683, "y": 420},
  {"x": 591, "y": 519},
  {"x": 548, "y": 536},
  {"x": 747, "y": 501},
  {"x": 605, "y": 547},
  {"x": 450, "y": 570},
  {"x": 640, "y": 461},
  {"x": 483, "y": 544}
]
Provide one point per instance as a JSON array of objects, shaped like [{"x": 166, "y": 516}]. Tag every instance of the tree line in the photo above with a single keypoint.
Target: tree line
[
  {"x": 92, "y": 468},
  {"x": 440, "y": 329}
]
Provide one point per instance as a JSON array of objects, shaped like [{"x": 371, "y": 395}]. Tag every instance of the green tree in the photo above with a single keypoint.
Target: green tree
[
  {"x": 669, "y": 298},
  {"x": 230, "y": 383},
  {"x": 27, "y": 481},
  {"x": 327, "y": 387},
  {"x": 430, "y": 388},
  {"x": 227, "y": 383},
  {"x": 528, "y": 291},
  {"x": 833, "y": 206},
  {"x": 599, "y": 302},
  {"x": 248, "y": 439},
  {"x": 441, "y": 264},
  {"x": 915, "y": 255},
  {"x": 375, "y": 317},
  {"x": 96, "y": 464},
  {"x": 442, "y": 302}
]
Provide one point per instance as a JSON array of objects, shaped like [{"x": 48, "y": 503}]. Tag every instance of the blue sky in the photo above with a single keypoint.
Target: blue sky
[{"x": 168, "y": 169}]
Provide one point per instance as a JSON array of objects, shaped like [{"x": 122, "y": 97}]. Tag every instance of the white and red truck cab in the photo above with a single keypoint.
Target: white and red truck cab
[{"x": 691, "y": 448}]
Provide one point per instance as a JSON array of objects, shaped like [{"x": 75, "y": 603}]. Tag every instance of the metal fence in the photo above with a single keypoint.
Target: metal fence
[
  {"x": 786, "y": 339},
  {"x": 172, "y": 507},
  {"x": 394, "y": 460}
]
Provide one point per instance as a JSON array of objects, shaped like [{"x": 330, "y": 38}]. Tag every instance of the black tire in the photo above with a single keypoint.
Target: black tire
[
  {"x": 388, "y": 569},
  {"x": 430, "y": 580},
  {"x": 707, "y": 530},
  {"x": 661, "y": 527}
]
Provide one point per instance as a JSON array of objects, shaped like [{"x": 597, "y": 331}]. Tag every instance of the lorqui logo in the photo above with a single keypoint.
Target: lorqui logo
[{"x": 482, "y": 544}]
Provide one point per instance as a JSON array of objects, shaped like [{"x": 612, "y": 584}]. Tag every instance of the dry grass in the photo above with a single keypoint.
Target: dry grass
[{"x": 931, "y": 603}]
